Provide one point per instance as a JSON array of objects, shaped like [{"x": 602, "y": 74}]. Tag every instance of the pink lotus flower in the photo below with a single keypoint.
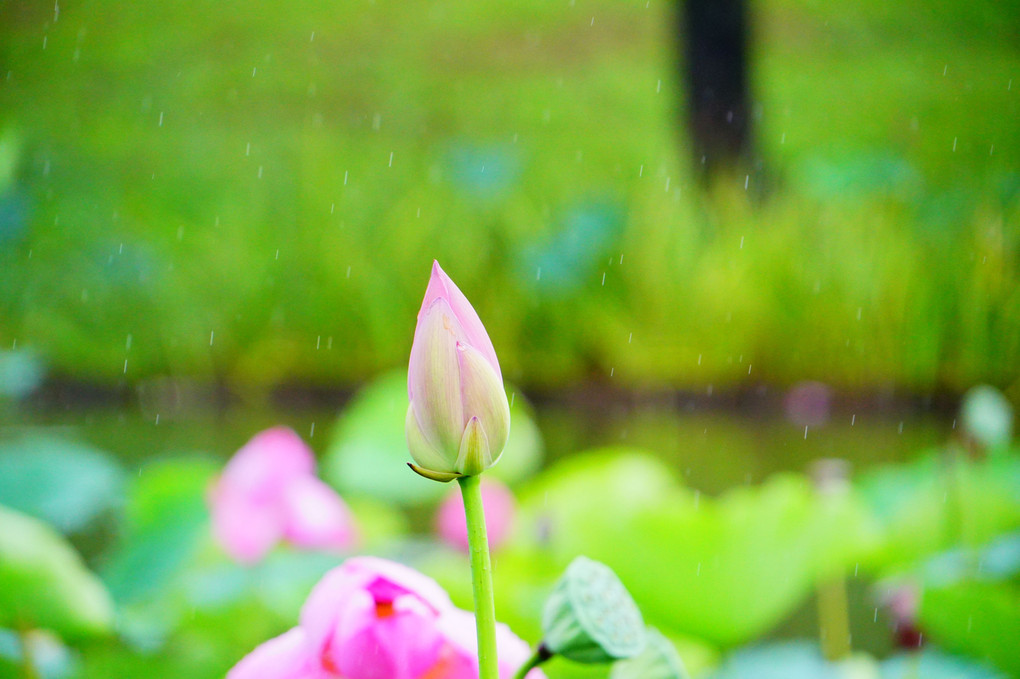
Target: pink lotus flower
[
  {"x": 459, "y": 418},
  {"x": 451, "y": 523},
  {"x": 375, "y": 619},
  {"x": 460, "y": 655},
  {"x": 268, "y": 492}
]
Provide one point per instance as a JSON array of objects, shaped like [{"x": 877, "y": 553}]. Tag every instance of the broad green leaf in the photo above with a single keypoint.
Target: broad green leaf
[
  {"x": 45, "y": 584},
  {"x": 60, "y": 481},
  {"x": 933, "y": 664},
  {"x": 791, "y": 660},
  {"x": 721, "y": 569},
  {"x": 50, "y": 657},
  {"x": 165, "y": 519},
  {"x": 987, "y": 416},
  {"x": 940, "y": 501},
  {"x": 368, "y": 452},
  {"x": 978, "y": 619},
  {"x": 21, "y": 372}
]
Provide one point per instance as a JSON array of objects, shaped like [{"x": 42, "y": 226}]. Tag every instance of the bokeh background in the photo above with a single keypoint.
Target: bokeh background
[{"x": 220, "y": 217}]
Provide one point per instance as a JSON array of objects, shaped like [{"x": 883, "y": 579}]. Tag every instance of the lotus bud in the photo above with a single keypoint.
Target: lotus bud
[
  {"x": 459, "y": 418},
  {"x": 590, "y": 617}
]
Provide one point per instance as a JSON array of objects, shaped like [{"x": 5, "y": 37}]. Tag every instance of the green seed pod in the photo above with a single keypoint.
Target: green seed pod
[
  {"x": 659, "y": 660},
  {"x": 590, "y": 617}
]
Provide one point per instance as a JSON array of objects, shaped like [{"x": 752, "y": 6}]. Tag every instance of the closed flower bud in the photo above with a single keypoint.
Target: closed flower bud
[
  {"x": 590, "y": 617},
  {"x": 459, "y": 418}
]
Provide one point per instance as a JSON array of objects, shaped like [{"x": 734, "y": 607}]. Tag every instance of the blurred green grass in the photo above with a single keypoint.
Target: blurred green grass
[{"x": 252, "y": 194}]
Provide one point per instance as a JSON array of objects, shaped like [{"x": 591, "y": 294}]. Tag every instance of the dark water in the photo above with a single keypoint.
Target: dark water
[{"x": 712, "y": 447}]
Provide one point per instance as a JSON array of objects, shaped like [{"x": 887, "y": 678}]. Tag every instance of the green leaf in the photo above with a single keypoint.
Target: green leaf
[
  {"x": 932, "y": 664},
  {"x": 62, "y": 482},
  {"x": 987, "y": 416},
  {"x": 977, "y": 619},
  {"x": 44, "y": 583},
  {"x": 21, "y": 372},
  {"x": 368, "y": 452},
  {"x": 939, "y": 501},
  {"x": 785, "y": 660},
  {"x": 724, "y": 569},
  {"x": 165, "y": 518}
]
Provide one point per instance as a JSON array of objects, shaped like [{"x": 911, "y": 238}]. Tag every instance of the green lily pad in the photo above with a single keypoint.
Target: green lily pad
[
  {"x": 50, "y": 657},
  {"x": 786, "y": 660},
  {"x": 165, "y": 519},
  {"x": 45, "y": 584},
  {"x": 932, "y": 664},
  {"x": 724, "y": 569},
  {"x": 60, "y": 481},
  {"x": 937, "y": 502},
  {"x": 21, "y": 372},
  {"x": 368, "y": 451},
  {"x": 987, "y": 416},
  {"x": 977, "y": 619}
]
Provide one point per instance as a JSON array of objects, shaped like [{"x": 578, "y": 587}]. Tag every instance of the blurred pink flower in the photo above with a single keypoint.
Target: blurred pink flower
[
  {"x": 808, "y": 404},
  {"x": 268, "y": 492},
  {"x": 375, "y": 619},
  {"x": 498, "y": 500},
  {"x": 460, "y": 654}
]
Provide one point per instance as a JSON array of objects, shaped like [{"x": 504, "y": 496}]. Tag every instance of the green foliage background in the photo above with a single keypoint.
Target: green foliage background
[{"x": 252, "y": 193}]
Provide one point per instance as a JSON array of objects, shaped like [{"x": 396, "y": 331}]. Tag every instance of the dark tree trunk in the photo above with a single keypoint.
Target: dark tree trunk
[{"x": 715, "y": 36}]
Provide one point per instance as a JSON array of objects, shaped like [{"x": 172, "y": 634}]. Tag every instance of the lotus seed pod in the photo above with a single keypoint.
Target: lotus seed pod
[
  {"x": 590, "y": 617},
  {"x": 659, "y": 660}
]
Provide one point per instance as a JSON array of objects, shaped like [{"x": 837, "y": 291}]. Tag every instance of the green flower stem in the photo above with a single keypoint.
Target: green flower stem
[
  {"x": 540, "y": 655},
  {"x": 481, "y": 576},
  {"x": 28, "y": 668},
  {"x": 833, "y": 619}
]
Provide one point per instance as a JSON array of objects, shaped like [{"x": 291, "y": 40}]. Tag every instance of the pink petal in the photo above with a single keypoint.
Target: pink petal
[
  {"x": 441, "y": 286},
  {"x": 499, "y": 504},
  {"x": 398, "y": 642},
  {"x": 271, "y": 459},
  {"x": 359, "y": 579},
  {"x": 284, "y": 657},
  {"x": 433, "y": 376},
  {"x": 315, "y": 516},
  {"x": 246, "y": 528},
  {"x": 461, "y": 655}
]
